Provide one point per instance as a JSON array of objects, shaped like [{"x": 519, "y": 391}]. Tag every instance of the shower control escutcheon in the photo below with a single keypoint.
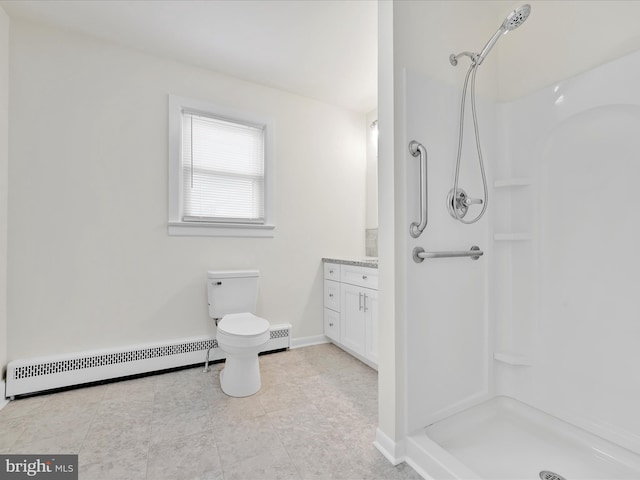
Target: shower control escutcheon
[{"x": 460, "y": 203}]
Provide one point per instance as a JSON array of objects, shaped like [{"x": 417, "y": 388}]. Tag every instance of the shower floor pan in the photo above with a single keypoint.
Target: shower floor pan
[{"x": 504, "y": 439}]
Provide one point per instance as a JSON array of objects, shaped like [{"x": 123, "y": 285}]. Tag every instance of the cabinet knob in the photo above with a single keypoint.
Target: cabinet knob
[
  {"x": 364, "y": 277},
  {"x": 331, "y": 295},
  {"x": 331, "y": 272},
  {"x": 331, "y": 324}
]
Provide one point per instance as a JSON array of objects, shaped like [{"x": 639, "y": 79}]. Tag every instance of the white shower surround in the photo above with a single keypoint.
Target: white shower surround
[{"x": 561, "y": 304}]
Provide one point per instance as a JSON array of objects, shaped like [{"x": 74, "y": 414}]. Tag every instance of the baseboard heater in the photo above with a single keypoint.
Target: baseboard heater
[{"x": 47, "y": 373}]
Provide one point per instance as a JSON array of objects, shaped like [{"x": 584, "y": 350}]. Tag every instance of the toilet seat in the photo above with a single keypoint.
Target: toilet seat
[{"x": 243, "y": 330}]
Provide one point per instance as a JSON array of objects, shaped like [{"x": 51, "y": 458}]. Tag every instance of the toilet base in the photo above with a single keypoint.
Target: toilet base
[{"x": 240, "y": 376}]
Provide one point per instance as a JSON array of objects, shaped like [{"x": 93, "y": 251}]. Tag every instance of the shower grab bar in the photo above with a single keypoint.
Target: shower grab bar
[
  {"x": 417, "y": 149},
  {"x": 419, "y": 254}
]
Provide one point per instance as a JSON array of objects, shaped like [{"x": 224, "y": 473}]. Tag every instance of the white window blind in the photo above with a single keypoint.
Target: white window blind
[{"x": 222, "y": 170}]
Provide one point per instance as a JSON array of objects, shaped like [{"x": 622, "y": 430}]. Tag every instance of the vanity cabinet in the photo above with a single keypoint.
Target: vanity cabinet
[
  {"x": 332, "y": 301},
  {"x": 351, "y": 309},
  {"x": 359, "y": 315}
]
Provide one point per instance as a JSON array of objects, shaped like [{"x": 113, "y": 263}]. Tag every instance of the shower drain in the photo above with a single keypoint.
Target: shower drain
[{"x": 547, "y": 475}]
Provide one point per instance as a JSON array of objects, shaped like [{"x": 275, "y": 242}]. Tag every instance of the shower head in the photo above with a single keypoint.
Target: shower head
[
  {"x": 517, "y": 17},
  {"x": 513, "y": 21}
]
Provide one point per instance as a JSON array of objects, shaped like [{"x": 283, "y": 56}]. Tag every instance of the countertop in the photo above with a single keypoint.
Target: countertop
[{"x": 365, "y": 262}]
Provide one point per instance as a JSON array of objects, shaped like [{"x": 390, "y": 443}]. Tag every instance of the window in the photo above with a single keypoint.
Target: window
[{"x": 220, "y": 171}]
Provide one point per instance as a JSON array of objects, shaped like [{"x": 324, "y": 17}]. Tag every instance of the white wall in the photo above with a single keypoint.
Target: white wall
[
  {"x": 563, "y": 38},
  {"x": 428, "y": 32},
  {"x": 4, "y": 184},
  {"x": 91, "y": 264},
  {"x": 372, "y": 171},
  {"x": 390, "y": 365}
]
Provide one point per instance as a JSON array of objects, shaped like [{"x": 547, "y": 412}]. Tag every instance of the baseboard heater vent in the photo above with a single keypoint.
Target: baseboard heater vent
[{"x": 47, "y": 373}]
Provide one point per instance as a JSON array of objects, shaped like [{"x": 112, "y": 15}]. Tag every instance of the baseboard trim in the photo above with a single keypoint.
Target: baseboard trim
[
  {"x": 31, "y": 375},
  {"x": 308, "y": 341},
  {"x": 3, "y": 400},
  {"x": 392, "y": 451}
]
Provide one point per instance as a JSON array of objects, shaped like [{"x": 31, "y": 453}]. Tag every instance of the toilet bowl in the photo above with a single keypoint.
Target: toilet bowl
[
  {"x": 233, "y": 296},
  {"x": 241, "y": 336}
]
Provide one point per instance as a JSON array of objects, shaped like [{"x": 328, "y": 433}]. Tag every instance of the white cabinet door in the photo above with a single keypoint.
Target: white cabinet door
[
  {"x": 371, "y": 324},
  {"x": 352, "y": 318}
]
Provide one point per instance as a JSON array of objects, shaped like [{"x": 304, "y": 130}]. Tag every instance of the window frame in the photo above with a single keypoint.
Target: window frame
[{"x": 176, "y": 223}]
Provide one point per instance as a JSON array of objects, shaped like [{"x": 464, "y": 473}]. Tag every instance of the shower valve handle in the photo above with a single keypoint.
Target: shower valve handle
[
  {"x": 470, "y": 201},
  {"x": 458, "y": 205}
]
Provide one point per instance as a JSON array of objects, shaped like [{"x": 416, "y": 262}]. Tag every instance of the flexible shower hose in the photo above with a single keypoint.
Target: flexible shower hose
[{"x": 472, "y": 72}]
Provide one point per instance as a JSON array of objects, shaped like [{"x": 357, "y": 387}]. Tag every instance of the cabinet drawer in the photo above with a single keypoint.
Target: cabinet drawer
[
  {"x": 332, "y": 295},
  {"x": 332, "y": 324},
  {"x": 332, "y": 271},
  {"x": 361, "y": 276}
]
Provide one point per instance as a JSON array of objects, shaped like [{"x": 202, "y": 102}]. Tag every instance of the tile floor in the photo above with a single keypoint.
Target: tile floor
[{"x": 314, "y": 418}]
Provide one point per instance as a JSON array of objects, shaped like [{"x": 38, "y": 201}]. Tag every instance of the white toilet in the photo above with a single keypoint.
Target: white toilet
[{"x": 233, "y": 295}]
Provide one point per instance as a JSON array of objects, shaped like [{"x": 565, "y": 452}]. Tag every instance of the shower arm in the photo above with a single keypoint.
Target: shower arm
[{"x": 477, "y": 58}]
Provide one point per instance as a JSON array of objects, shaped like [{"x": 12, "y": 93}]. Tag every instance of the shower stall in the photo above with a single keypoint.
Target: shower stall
[{"x": 522, "y": 363}]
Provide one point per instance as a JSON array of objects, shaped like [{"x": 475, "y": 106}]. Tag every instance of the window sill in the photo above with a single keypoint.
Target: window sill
[{"x": 184, "y": 229}]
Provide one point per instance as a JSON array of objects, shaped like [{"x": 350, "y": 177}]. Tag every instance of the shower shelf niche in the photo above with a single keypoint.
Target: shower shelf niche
[
  {"x": 512, "y": 182},
  {"x": 515, "y": 359},
  {"x": 511, "y": 237}
]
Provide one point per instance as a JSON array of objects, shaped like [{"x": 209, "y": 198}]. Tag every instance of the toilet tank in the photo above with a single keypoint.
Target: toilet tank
[{"x": 232, "y": 291}]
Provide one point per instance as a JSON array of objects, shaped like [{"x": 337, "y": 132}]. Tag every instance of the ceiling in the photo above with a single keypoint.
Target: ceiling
[{"x": 322, "y": 49}]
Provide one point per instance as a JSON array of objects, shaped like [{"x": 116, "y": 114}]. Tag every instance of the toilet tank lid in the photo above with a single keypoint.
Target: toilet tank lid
[{"x": 232, "y": 273}]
